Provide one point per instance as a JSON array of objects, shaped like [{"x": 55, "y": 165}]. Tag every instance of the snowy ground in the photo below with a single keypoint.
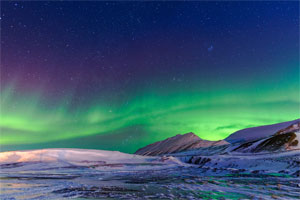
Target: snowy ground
[{"x": 116, "y": 177}]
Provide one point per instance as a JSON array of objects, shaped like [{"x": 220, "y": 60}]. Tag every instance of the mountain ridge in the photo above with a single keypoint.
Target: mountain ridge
[
  {"x": 258, "y": 132},
  {"x": 177, "y": 143},
  {"x": 274, "y": 137}
]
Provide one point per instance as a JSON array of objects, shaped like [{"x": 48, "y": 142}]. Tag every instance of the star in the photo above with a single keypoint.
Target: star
[{"x": 211, "y": 48}]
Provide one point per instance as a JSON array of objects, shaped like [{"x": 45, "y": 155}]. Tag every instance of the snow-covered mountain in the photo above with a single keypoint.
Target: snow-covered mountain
[
  {"x": 255, "y": 139},
  {"x": 257, "y": 151},
  {"x": 254, "y": 133},
  {"x": 292, "y": 128},
  {"x": 283, "y": 140},
  {"x": 177, "y": 143},
  {"x": 275, "y": 153}
]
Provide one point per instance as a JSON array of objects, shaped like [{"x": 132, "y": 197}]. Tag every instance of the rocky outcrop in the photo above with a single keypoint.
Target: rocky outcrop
[
  {"x": 292, "y": 128},
  {"x": 284, "y": 139},
  {"x": 281, "y": 142}
]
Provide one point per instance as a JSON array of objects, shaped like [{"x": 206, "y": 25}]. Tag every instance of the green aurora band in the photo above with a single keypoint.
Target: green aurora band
[{"x": 213, "y": 114}]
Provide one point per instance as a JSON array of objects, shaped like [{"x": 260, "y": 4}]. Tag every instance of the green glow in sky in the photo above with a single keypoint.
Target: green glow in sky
[
  {"x": 212, "y": 115},
  {"x": 81, "y": 75}
]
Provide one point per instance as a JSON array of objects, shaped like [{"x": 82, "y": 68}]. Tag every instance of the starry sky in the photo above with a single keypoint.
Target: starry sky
[{"x": 121, "y": 75}]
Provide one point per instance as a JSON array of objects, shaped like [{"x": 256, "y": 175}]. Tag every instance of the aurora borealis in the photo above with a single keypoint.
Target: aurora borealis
[{"x": 120, "y": 75}]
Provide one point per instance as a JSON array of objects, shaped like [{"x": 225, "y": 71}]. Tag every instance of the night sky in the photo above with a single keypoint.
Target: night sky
[{"x": 120, "y": 75}]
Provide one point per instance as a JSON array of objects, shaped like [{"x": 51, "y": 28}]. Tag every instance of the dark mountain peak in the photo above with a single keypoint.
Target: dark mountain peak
[
  {"x": 177, "y": 143},
  {"x": 191, "y": 134}
]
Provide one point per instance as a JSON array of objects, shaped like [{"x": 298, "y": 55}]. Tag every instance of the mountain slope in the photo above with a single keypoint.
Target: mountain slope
[
  {"x": 277, "y": 153},
  {"x": 177, "y": 143},
  {"x": 283, "y": 140},
  {"x": 254, "y": 133}
]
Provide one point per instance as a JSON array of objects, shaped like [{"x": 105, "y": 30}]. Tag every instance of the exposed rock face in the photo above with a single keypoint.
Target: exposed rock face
[
  {"x": 255, "y": 133},
  {"x": 282, "y": 142},
  {"x": 284, "y": 139},
  {"x": 292, "y": 128},
  {"x": 177, "y": 143}
]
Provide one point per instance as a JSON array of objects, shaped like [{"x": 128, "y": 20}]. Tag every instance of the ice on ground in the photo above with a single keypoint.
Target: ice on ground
[
  {"x": 85, "y": 174},
  {"x": 49, "y": 158}
]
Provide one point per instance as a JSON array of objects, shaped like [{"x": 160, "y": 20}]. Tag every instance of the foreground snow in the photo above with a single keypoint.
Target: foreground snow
[
  {"x": 82, "y": 157},
  {"x": 169, "y": 183},
  {"x": 68, "y": 155},
  {"x": 78, "y": 173}
]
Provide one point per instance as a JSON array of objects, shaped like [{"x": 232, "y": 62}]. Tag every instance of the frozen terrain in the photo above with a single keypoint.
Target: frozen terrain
[
  {"x": 63, "y": 173},
  {"x": 264, "y": 168},
  {"x": 79, "y": 157}
]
